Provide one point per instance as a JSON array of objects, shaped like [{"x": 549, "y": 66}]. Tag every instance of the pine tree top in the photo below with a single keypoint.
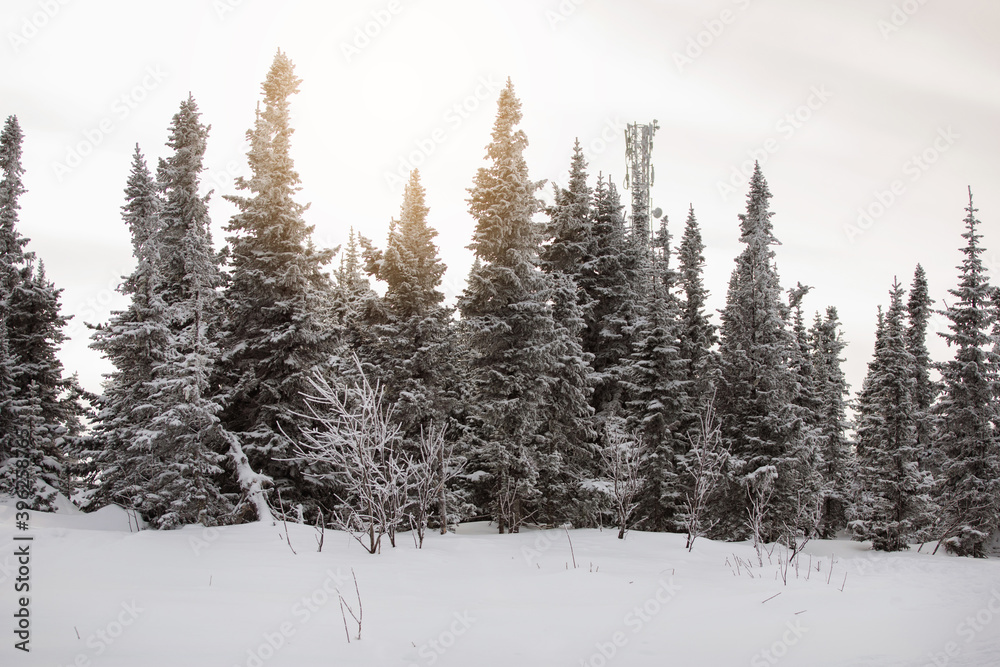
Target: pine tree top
[
  {"x": 141, "y": 203},
  {"x": 410, "y": 265},
  {"x": 971, "y": 315},
  {"x": 502, "y": 197},
  {"x": 11, "y": 188},
  {"x": 755, "y": 225}
]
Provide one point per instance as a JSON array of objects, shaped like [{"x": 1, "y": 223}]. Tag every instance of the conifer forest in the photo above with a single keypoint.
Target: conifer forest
[
  {"x": 579, "y": 379},
  {"x": 499, "y": 333}
]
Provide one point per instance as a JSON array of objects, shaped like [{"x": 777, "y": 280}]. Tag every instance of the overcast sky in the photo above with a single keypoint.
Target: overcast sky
[{"x": 888, "y": 107}]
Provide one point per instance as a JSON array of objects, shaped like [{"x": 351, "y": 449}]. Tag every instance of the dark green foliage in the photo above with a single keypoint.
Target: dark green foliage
[{"x": 279, "y": 321}]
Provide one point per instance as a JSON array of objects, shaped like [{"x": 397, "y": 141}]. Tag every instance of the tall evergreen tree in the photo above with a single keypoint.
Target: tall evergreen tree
[
  {"x": 893, "y": 497},
  {"x": 514, "y": 341},
  {"x": 355, "y": 303},
  {"x": 568, "y": 257},
  {"x": 806, "y": 402},
  {"x": 918, "y": 309},
  {"x": 40, "y": 410},
  {"x": 611, "y": 282},
  {"x": 11, "y": 188},
  {"x": 36, "y": 331},
  {"x": 658, "y": 391},
  {"x": 279, "y": 328},
  {"x": 12, "y": 441},
  {"x": 162, "y": 439},
  {"x": 967, "y": 409},
  {"x": 134, "y": 340},
  {"x": 414, "y": 348},
  {"x": 759, "y": 422},
  {"x": 188, "y": 443},
  {"x": 698, "y": 334},
  {"x": 837, "y": 461},
  {"x": 569, "y": 232}
]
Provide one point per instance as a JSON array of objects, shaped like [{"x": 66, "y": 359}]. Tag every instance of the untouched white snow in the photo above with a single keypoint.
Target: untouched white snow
[{"x": 238, "y": 596}]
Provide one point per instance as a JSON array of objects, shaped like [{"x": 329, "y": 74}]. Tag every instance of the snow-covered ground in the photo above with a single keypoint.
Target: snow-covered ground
[{"x": 106, "y": 595}]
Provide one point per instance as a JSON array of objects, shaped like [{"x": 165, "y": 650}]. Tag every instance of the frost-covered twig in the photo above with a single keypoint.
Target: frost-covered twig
[
  {"x": 284, "y": 522},
  {"x": 571, "y": 552},
  {"x": 359, "y": 617},
  {"x": 620, "y": 456},
  {"x": 321, "y": 527},
  {"x": 356, "y": 446},
  {"x": 705, "y": 463}
]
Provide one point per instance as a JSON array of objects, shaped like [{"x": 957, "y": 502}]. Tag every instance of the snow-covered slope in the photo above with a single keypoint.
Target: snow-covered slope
[{"x": 105, "y": 595}]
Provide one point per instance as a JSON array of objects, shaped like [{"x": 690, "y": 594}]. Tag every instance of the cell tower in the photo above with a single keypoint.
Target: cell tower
[{"x": 639, "y": 174}]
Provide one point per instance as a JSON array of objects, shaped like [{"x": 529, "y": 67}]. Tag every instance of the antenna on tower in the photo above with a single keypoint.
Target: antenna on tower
[{"x": 639, "y": 175}]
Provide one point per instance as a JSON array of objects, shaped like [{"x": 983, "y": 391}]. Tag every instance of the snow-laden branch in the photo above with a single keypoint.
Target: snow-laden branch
[{"x": 251, "y": 482}]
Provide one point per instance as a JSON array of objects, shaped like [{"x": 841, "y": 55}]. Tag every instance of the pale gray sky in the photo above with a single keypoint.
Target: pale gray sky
[{"x": 848, "y": 101}]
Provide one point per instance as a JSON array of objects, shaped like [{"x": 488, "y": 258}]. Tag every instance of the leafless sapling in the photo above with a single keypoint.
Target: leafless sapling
[{"x": 620, "y": 456}]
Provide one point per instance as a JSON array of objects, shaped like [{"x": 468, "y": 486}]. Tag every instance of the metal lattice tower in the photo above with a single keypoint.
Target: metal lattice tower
[{"x": 639, "y": 175}]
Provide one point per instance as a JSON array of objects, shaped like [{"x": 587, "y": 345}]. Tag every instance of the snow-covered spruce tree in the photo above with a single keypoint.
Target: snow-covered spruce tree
[
  {"x": 570, "y": 452},
  {"x": 568, "y": 234},
  {"x": 14, "y": 437},
  {"x": 35, "y": 332},
  {"x": 412, "y": 348},
  {"x": 186, "y": 442},
  {"x": 279, "y": 327},
  {"x": 40, "y": 408},
  {"x": 355, "y": 303},
  {"x": 698, "y": 335},
  {"x": 612, "y": 283},
  {"x": 837, "y": 467},
  {"x": 11, "y": 188},
  {"x": 918, "y": 309},
  {"x": 760, "y": 425},
  {"x": 508, "y": 322},
  {"x": 657, "y": 390},
  {"x": 892, "y": 499},
  {"x": 134, "y": 340},
  {"x": 806, "y": 402},
  {"x": 967, "y": 409}
]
